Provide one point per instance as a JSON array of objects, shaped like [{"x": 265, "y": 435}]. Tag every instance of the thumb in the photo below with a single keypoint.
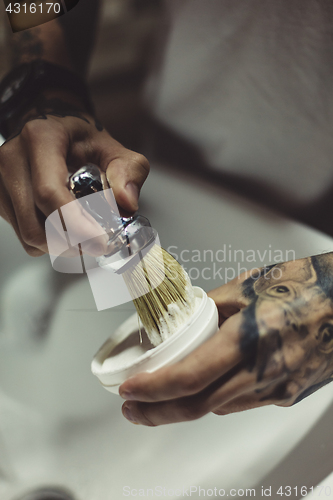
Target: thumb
[
  {"x": 229, "y": 299},
  {"x": 126, "y": 175}
]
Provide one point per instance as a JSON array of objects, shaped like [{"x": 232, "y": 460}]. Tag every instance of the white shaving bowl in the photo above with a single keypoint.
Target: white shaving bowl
[{"x": 123, "y": 356}]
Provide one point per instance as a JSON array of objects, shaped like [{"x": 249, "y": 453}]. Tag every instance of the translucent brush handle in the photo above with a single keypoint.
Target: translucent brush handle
[{"x": 127, "y": 236}]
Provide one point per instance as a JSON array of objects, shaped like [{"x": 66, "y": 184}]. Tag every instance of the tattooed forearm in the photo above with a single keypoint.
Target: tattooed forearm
[
  {"x": 43, "y": 42},
  {"x": 287, "y": 329},
  {"x": 26, "y": 46},
  {"x": 67, "y": 41}
]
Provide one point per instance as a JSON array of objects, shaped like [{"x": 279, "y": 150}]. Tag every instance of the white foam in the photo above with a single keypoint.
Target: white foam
[
  {"x": 131, "y": 349},
  {"x": 177, "y": 316}
]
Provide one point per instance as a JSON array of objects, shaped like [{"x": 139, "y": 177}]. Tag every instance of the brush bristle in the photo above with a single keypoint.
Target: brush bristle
[{"x": 170, "y": 299}]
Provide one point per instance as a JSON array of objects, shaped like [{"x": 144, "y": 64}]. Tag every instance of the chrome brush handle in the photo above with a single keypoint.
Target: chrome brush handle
[
  {"x": 87, "y": 180},
  {"x": 128, "y": 236}
]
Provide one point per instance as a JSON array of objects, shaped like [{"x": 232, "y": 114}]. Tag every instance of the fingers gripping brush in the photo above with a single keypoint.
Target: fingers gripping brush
[{"x": 160, "y": 288}]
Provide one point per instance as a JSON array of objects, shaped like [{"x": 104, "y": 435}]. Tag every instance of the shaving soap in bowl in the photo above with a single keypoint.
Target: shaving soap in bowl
[{"x": 124, "y": 355}]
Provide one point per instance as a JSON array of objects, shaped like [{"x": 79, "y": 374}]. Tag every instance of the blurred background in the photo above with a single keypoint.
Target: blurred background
[{"x": 122, "y": 56}]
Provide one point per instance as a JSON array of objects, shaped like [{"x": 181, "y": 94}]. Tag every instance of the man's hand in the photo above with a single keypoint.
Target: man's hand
[
  {"x": 34, "y": 171},
  {"x": 274, "y": 346},
  {"x": 56, "y": 134}
]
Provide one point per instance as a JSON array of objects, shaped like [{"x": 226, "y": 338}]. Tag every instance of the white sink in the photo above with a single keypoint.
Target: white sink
[{"x": 59, "y": 426}]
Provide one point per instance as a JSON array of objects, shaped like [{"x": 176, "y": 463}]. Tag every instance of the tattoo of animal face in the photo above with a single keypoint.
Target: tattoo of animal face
[{"x": 287, "y": 329}]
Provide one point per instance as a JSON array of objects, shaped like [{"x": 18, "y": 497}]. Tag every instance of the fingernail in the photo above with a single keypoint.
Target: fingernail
[
  {"x": 133, "y": 194},
  {"x": 125, "y": 395},
  {"x": 128, "y": 415}
]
